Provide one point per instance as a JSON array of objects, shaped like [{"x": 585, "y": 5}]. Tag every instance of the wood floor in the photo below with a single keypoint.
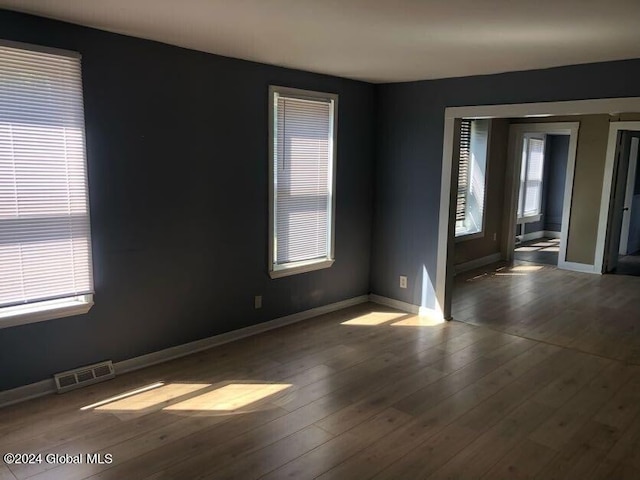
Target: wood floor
[{"x": 369, "y": 392}]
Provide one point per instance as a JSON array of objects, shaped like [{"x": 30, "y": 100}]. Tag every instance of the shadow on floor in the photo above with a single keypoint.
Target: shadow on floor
[{"x": 629, "y": 265}]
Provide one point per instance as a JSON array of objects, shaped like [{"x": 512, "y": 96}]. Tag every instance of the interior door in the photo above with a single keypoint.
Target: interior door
[
  {"x": 628, "y": 197},
  {"x": 616, "y": 205}
]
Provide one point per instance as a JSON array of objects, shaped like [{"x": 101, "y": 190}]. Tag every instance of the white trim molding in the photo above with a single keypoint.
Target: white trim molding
[
  {"x": 431, "y": 313},
  {"x": 607, "y": 181},
  {"x": 47, "y": 386},
  {"x": 46, "y": 310},
  {"x": 516, "y": 136},
  {"x": 530, "y": 110}
]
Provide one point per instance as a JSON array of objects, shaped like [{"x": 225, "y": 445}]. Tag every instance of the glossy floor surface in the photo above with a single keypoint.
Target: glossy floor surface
[
  {"x": 542, "y": 251},
  {"x": 534, "y": 390}
]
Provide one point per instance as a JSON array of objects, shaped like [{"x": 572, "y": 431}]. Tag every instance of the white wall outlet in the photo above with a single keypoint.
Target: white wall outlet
[
  {"x": 403, "y": 281},
  {"x": 495, "y": 236},
  {"x": 257, "y": 302}
]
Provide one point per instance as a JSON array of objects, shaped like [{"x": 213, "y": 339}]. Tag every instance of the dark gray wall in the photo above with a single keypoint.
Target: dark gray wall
[
  {"x": 409, "y": 154},
  {"x": 557, "y": 151},
  {"x": 177, "y": 157}
]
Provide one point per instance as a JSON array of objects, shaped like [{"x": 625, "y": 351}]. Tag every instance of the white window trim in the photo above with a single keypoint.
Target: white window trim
[
  {"x": 62, "y": 307},
  {"x": 529, "y": 219},
  {"x": 463, "y": 236},
  {"x": 534, "y": 217},
  {"x": 45, "y": 310},
  {"x": 294, "y": 268}
]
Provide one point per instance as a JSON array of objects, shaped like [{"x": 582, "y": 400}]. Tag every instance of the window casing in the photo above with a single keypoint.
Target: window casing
[
  {"x": 531, "y": 178},
  {"x": 302, "y": 157},
  {"x": 45, "y": 239},
  {"x": 472, "y": 178}
]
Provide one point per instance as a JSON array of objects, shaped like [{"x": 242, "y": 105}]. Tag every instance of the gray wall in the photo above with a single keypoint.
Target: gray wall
[
  {"x": 409, "y": 154},
  {"x": 177, "y": 162}
]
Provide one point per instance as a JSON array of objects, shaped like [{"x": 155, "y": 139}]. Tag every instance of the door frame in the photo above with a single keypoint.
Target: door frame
[
  {"x": 628, "y": 197},
  {"x": 446, "y": 218},
  {"x": 607, "y": 186},
  {"x": 517, "y": 132}
]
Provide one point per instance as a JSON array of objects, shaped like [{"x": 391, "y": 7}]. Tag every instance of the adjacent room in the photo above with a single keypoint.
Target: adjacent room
[{"x": 333, "y": 240}]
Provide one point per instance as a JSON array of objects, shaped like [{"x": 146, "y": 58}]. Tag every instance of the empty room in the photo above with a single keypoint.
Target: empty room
[{"x": 319, "y": 239}]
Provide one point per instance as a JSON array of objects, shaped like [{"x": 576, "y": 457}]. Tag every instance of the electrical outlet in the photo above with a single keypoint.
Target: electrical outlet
[
  {"x": 257, "y": 303},
  {"x": 403, "y": 281},
  {"x": 495, "y": 236}
]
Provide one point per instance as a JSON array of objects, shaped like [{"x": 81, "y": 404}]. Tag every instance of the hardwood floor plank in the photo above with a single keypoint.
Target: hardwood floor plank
[{"x": 542, "y": 385}]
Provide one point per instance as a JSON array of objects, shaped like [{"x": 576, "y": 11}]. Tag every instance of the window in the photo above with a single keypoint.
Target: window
[
  {"x": 531, "y": 174},
  {"x": 472, "y": 177},
  {"x": 302, "y": 166},
  {"x": 45, "y": 244}
]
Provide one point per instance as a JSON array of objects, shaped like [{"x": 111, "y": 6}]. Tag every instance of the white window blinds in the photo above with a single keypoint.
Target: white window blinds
[
  {"x": 45, "y": 246},
  {"x": 531, "y": 177},
  {"x": 303, "y": 153},
  {"x": 463, "y": 170}
]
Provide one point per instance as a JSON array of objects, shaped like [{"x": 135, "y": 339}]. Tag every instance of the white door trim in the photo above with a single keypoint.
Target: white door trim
[
  {"x": 628, "y": 197},
  {"x": 514, "y": 159},
  {"x": 444, "y": 265},
  {"x": 614, "y": 129}
]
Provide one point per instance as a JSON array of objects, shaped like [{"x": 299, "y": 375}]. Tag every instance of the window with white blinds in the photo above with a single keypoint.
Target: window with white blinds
[
  {"x": 303, "y": 138},
  {"x": 472, "y": 176},
  {"x": 45, "y": 241},
  {"x": 531, "y": 176}
]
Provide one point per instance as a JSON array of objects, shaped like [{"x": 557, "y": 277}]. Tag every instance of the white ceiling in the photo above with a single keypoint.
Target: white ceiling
[{"x": 374, "y": 40}]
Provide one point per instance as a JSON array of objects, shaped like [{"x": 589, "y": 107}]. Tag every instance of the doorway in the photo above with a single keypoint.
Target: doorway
[
  {"x": 537, "y": 204},
  {"x": 622, "y": 245},
  {"x": 542, "y": 181}
]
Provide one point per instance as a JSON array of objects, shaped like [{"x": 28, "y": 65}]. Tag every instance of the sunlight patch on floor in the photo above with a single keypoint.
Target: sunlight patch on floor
[
  {"x": 123, "y": 395},
  {"x": 526, "y": 268},
  {"x": 419, "y": 321},
  {"x": 230, "y": 397},
  {"x": 152, "y": 398},
  {"x": 527, "y": 249},
  {"x": 374, "y": 318}
]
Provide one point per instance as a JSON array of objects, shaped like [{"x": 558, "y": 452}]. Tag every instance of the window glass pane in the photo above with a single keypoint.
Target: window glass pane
[
  {"x": 472, "y": 177},
  {"x": 303, "y": 156}
]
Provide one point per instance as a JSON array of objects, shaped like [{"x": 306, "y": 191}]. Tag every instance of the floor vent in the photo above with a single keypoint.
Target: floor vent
[{"x": 83, "y": 376}]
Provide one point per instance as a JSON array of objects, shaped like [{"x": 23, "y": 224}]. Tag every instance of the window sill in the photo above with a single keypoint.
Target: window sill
[
  {"x": 278, "y": 271},
  {"x": 47, "y": 310},
  {"x": 529, "y": 219}
]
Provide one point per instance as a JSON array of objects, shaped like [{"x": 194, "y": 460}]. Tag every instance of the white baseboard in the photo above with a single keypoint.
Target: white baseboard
[
  {"x": 45, "y": 387},
  {"x": 578, "y": 267},
  {"x": 407, "y": 307},
  {"x": 27, "y": 392},
  {"x": 477, "y": 263},
  {"x": 393, "y": 303}
]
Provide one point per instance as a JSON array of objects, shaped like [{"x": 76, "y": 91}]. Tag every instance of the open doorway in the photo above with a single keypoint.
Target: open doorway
[
  {"x": 541, "y": 190},
  {"x": 622, "y": 245},
  {"x": 537, "y": 203}
]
